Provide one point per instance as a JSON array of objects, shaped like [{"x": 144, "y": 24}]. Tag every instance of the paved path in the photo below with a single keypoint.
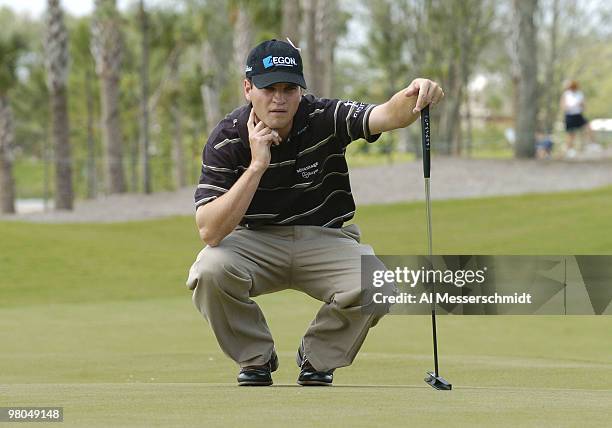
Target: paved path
[
  {"x": 468, "y": 178},
  {"x": 451, "y": 178}
]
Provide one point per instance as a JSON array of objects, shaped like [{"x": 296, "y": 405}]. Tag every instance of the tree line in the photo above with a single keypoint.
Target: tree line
[{"x": 122, "y": 101}]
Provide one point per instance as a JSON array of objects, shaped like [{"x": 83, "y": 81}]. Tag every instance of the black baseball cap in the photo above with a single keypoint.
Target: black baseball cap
[{"x": 275, "y": 61}]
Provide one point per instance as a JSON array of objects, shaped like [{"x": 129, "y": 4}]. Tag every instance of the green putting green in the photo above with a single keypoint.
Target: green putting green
[{"x": 95, "y": 318}]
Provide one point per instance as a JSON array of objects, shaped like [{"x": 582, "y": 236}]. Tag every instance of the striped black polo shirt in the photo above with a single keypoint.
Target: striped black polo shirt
[{"x": 307, "y": 182}]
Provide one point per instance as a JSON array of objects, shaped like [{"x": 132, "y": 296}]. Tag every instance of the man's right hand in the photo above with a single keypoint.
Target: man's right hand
[{"x": 261, "y": 137}]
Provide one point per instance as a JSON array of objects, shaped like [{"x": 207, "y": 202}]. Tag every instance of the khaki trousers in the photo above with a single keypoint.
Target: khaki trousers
[{"x": 322, "y": 262}]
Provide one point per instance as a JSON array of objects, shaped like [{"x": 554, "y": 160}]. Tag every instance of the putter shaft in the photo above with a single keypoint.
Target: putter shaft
[
  {"x": 433, "y": 286},
  {"x": 433, "y": 378}
]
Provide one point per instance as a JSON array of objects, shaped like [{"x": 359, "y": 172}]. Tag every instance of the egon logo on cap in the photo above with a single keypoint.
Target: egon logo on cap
[
  {"x": 282, "y": 61},
  {"x": 274, "y": 61}
]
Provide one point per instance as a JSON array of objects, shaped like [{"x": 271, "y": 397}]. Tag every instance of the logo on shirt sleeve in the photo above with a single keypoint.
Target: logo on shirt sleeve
[{"x": 358, "y": 107}]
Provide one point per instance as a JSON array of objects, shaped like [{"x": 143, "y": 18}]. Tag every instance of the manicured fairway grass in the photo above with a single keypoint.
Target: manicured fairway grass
[{"x": 95, "y": 318}]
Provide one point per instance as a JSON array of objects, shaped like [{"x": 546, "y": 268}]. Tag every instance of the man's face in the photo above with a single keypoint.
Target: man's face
[{"x": 274, "y": 105}]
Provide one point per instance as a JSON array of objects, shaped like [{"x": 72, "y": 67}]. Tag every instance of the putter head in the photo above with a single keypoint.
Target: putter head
[{"x": 438, "y": 382}]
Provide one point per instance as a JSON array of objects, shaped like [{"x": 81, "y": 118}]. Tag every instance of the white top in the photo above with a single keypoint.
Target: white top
[{"x": 573, "y": 101}]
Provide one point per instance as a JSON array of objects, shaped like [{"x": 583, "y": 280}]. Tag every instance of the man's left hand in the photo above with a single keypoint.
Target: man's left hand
[{"x": 429, "y": 92}]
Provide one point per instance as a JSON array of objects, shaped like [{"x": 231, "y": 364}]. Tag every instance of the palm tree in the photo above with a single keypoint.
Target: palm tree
[
  {"x": 56, "y": 63},
  {"x": 172, "y": 37},
  {"x": 215, "y": 58},
  {"x": 144, "y": 97},
  {"x": 291, "y": 21},
  {"x": 106, "y": 48},
  {"x": 7, "y": 182},
  {"x": 83, "y": 62},
  {"x": 243, "y": 38},
  {"x": 526, "y": 118},
  {"x": 326, "y": 44},
  {"x": 309, "y": 37},
  {"x": 9, "y": 52},
  {"x": 320, "y": 31}
]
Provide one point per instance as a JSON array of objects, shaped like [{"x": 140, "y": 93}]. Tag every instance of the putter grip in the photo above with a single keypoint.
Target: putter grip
[{"x": 425, "y": 138}]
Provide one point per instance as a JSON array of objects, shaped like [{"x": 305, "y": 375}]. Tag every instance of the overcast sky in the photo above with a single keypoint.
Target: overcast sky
[{"x": 74, "y": 7}]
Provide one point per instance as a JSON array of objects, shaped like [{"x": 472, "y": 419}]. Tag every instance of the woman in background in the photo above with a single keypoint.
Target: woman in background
[{"x": 572, "y": 105}]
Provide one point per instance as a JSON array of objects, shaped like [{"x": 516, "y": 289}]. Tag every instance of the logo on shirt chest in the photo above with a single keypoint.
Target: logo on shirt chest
[{"x": 309, "y": 170}]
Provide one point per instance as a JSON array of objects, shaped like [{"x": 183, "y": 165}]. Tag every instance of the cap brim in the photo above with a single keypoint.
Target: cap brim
[{"x": 263, "y": 80}]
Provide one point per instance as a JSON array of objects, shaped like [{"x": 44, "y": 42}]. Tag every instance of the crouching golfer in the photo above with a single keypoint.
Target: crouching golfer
[{"x": 274, "y": 194}]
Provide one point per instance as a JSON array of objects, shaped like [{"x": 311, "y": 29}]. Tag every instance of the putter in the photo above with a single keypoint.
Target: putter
[{"x": 433, "y": 378}]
